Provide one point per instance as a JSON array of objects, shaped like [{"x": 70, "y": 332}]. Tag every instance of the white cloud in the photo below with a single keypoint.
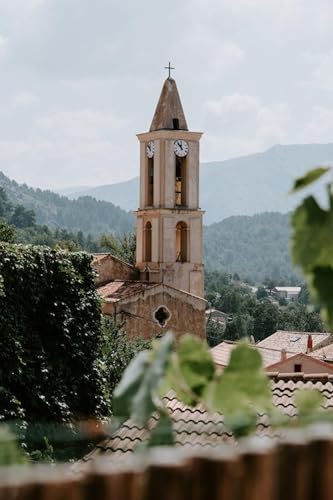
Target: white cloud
[
  {"x": 80, "y": 78},
  {"x": 25, "y": 99},
  {"x": 3, "y": 46},
  {"x": 86, "y": 124},
  {"x": 323, "y": 74},
  {"x": 319, "y": 126},
  {"x": 241, "y": 124}
]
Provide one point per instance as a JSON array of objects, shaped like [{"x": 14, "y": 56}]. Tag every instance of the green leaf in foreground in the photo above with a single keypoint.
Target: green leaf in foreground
[
  {"x": 162, "y": 434},
  {"x": 308, "y": 401},
  {"x": 309, "y": 178},
  {"x": 191, "y": 369},
  {"x": 134, "y": 396},
  {"x": 241, "y": 391},
  {"x": 321, "y": 284},
  {"x": 312, "y": 250},
  {"x": 10, "y": 453}
]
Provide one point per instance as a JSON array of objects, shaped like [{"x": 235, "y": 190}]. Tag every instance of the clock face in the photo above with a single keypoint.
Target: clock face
[
  {"x": 150, "y": 149},
  {"x": 180, "y": 148}
]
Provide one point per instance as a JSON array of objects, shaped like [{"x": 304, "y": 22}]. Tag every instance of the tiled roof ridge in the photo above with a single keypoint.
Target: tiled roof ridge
[
  {"x": 237, "y": 342},
  {"x": 298, "y": 332},
  {"x": 301, "y": 376}
]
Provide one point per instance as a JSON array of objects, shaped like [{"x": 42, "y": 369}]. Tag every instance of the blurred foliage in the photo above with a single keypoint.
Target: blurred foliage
[
  {"x": 10, "y": 452},
  {"x": 312, "y": 243},
  {"x": 240, "y": 392}
]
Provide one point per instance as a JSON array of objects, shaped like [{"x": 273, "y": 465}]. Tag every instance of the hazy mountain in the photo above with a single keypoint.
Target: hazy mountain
[
  {"x": 256, "y": 247},
  {"x": 55, "y": 211},
  {"x": 246, "y": 185}
]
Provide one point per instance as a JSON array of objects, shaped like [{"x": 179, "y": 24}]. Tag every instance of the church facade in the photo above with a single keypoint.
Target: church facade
[{"x": 165, "y": 290}]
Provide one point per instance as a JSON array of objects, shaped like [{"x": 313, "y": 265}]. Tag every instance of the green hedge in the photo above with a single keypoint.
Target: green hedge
[{"x": 50, "y": 335}]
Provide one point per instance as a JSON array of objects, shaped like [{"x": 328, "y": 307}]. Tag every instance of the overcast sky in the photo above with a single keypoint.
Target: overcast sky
[{"x": 79, "y": 78}]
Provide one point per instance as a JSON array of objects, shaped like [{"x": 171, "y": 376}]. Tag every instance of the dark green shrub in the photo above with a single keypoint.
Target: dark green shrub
[{"x": 50, "y": 335}]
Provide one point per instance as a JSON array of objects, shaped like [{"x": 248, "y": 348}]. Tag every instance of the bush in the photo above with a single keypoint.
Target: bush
[
  {"x": 50, "y": 335},
  {"x": 117, "y": 352}
]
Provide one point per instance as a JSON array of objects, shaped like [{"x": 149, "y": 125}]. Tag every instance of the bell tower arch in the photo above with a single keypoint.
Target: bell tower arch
[{"x": 169, "y": 217}]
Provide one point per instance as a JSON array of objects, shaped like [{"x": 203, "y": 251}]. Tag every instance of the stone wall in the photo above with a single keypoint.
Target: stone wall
[
  {"x": 187, "y": 313},
  {"x": 109, "y": 268}
]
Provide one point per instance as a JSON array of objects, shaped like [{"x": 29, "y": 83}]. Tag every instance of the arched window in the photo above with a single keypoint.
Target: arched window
[
  {"x": 147, "y": 242},
  {"x": 180, "y": 185},
  {"x": 150, "y": 186},
  {"x": 181, "y": 242}
]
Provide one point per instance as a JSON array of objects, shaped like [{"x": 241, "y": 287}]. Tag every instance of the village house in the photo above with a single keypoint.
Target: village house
[
  {"x": 289, "y": 293},
  {"x": 286, "y": 352}
]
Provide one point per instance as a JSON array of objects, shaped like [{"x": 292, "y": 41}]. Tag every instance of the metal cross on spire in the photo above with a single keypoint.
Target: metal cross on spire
[{"x": 169, "y": 68}]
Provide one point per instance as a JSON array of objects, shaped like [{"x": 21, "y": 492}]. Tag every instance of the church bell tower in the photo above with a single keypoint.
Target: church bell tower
[{"x": 169, "y": 220}]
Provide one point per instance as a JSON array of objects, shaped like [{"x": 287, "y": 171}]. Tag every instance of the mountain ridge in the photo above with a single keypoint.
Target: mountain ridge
[
  {"x": 245, "y": 185},
  {"x": 57, "y": 211}
]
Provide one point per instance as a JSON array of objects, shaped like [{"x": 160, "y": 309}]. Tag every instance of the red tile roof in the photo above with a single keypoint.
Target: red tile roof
[
  {"x": 117, "y": 290},
  {"x": 196, "y": 427},
  {"x": 324, "y": 353},
  {"x": 221, "y": 353},
  {"x": 292, "y": 341}
]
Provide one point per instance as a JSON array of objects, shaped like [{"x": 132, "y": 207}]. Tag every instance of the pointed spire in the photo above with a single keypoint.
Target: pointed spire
[{"x": 169, "y": 112}]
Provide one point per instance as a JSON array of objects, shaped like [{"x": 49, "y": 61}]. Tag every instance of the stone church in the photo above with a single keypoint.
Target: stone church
[{"x": 165, "y": 289}]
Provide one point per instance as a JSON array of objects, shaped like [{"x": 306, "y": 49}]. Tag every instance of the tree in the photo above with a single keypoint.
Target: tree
[
  {"x": 304, "y": 296},
  {"x": 117, "y": 351},
  {"x": 5, "y": 205},
  {"x": 7, "y": 232},
  {"x": 214, "y": 332},
  {"x": 261, "y": 293},
  {"x": 124, "y": 248},
  {"x": 22, "y": 217},
  {"x": 265, "y": 319}
]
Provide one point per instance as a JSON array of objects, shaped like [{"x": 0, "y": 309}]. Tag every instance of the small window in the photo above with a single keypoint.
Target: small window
[
  {"x": 150, "y": 187},
  {"x": 147, "y": 242},
  {"x": 162, "y": 316},
  {"x": 180, "y": 182},
  {"x": 181, "y": 242},
  {"x": 175, "y": 122},
  {"x": 297, "y": 368}
]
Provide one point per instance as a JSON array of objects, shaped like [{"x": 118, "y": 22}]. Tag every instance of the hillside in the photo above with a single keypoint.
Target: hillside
[
  {"x": 55, "y": 211},
  {"x": 256, "y": 247},
  {"x": 241, "y": 186}
]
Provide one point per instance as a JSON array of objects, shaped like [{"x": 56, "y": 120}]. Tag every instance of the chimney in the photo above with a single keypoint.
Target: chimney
[
  {"x": 283, "y": 355},
  {"x": 309, "y": 347}
]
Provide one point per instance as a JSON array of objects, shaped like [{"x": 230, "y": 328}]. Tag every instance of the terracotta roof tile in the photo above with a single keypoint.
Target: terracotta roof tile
[
  {"x": 117, "y": 290},
  {"x": 292, "y": 341},
  {"x": 324, "y": 353},
  {"x": 197, "y": 427},
  {"x": 221, "y": 353}
]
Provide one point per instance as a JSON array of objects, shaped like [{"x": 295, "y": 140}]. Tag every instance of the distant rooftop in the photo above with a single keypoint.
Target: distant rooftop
[
  {"x": 293, "y": 341},
  {"x": 221, "y": 353},
  {"x": 290, "y": 289}
]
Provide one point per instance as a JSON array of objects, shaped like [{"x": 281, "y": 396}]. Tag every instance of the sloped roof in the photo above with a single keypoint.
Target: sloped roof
[
  {"x": 169, "y": 108},
  {"x": 324, "y": 353},
  {"x": 221, "y": 353},
  {"x": 196, "y": 427},
  {"x": 117, "y": 290},
  {"x": 292, "y": 341}
]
